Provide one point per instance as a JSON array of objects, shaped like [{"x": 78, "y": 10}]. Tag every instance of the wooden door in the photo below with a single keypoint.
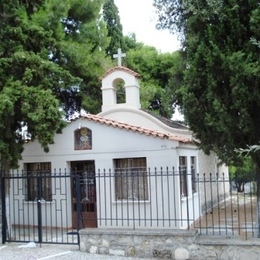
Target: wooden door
[{"x": 88, "y": 210}]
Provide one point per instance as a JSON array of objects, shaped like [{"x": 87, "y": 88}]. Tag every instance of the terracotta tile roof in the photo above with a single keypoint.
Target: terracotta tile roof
[
  {"x": 138, "y": 129},
  {"x": 122, "y": 68}
]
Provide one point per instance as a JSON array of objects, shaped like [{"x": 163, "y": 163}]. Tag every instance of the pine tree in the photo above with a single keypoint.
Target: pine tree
[
  {"x": 40, "y": 60},
  {"x": 114, "y": 28},
  {"x": 160, "y": 73},
  {"x": 220, "y": 93}
]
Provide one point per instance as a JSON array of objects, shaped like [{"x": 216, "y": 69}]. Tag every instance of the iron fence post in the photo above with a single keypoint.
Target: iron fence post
[
  {"x": 78, "y": 205},
  {"x": 4, "y": 226},
  {"x": 39, "y": 208}
]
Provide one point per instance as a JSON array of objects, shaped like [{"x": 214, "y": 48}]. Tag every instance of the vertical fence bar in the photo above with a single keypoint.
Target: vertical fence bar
[
  {"x": 78, "y": 202},
  {"x": 156, "y": 197},
  {"x": 145, "y": 194},
  {"x": 11, "y": 183},
  {"x": 212, "y": 204},
  {"x": 65, "y": 194},
  {"x": 218, "y": 205},
  {"x": 99, "y": 198},
  {"x": 181, "y": 192},
  {"x": 238, "y": 212},
  {"x": 23, "y": 176},
  {"x": 55, "y": 183},
  {"x": 138, "y": 196},
  {"x": 39, "y": 208},
  {"x": 199, "y": 194},
  {"x": 45, "y": 213},
  {"x": 225, "y": 199},
  {"x": 60, "y": 209},
  {"x": 104, "y": 181},
  {"x": 168, "y": 197},
  {"x": 187, "y": 197},
  {"x": 162, "y": 195},
  {"x": 4, "y": 225},
  {"x": 174, "y": 176},
  {"x": 245, "y": 212},
  {"x": 150, "y": 194},
  {"x": 111, "y": 198},
  {"x": 232, "y": 214},
  {"x": 205, "y": 201},
  {"x": 251, "y": 207},
  {"x": 193, "y": 197},
  {"x": 133, "y": 175}
]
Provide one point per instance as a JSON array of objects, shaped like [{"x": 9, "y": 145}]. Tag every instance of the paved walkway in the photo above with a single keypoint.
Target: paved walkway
[{"x": 17, "y": 251}]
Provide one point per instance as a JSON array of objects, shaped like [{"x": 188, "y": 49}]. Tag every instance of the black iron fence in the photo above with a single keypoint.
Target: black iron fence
[
  {"x": 230, "y": 213},
  {"x": 209, "y": 203},
  {"x": 51, "y": 208},
  {"x": 37, "y": 207}
]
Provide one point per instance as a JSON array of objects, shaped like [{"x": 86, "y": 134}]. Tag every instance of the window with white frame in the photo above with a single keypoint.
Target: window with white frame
[
  {"x": 131, "y": 179},
  {"x": 193, "y": 173},
  {"x": 38, "y": 182},
  {"x": 183, "y": 175}
]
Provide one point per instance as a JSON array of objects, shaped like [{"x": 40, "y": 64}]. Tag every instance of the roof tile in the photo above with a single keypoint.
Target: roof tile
[
  {"x": 122, "y": 68},
  {"x": 139, "y": 129}
]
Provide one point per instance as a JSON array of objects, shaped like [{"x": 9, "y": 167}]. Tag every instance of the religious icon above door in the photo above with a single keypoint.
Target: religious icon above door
[{"x": 83, "y": 139}]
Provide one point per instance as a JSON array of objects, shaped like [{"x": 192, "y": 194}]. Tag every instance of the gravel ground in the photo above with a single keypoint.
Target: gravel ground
[{"x": 17, "y": 251}]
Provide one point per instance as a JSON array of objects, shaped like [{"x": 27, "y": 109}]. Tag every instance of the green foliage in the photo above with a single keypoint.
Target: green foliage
[
  {"x": 82, "y": 51},
  {"x": 220, "y": 94},
  {"x": 160, "y": 76},
  {"x": 243, "y": 173},
  {"x": 131, "y": 43},
  {"x": 49, "y": 56},
  {"x": 114, "y": 28}
]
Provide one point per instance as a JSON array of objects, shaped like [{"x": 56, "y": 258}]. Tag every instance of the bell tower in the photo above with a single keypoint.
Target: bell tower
[{"x": 120, "y": 87}]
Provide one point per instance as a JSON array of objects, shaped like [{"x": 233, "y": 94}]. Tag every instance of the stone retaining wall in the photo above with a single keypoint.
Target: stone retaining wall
[{"x": 165, "y": 244}]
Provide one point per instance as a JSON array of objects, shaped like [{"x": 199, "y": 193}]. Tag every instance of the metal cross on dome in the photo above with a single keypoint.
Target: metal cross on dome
[{"x": 119, "y": 56}]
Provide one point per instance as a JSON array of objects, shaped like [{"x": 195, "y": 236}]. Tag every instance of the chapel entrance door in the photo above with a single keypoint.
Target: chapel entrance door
[{"x": 87, "y": 193}]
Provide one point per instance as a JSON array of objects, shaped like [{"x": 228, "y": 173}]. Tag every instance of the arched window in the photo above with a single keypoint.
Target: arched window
[
  {"x": 119, "y": 86},
  {"x": 83, "y": 139}
]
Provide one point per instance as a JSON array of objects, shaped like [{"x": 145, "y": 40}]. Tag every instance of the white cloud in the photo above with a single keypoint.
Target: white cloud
[{"x": 138, "y": 16}]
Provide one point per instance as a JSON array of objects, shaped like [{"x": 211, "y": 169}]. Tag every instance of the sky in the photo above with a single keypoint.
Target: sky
[{"x": 138, "y": 16}]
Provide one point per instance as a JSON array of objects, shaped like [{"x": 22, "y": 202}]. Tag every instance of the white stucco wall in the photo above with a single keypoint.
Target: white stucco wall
[{"x": 110, "y": 143}]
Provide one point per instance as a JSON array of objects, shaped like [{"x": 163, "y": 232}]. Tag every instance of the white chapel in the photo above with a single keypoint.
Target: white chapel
[{"x": 117, "y": 154}]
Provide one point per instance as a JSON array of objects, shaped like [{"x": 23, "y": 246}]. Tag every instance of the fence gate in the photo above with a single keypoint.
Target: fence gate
[{"x": 37, "y": 207}]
